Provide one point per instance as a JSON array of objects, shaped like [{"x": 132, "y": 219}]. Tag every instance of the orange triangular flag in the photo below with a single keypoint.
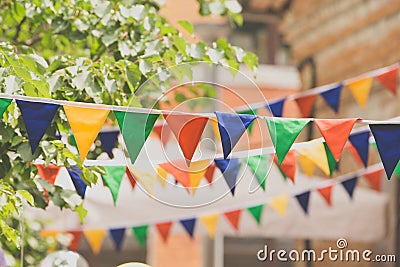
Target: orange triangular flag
[
  {"x": 288, "y": 166},
  {"x": 180, "y": 172},
  {"x": 335, "y": 133},
  {"x": 76, "y": 240},
  {"x": 131, "y": 178},
  {"x": 326, "y": 193},
  {"x": 48, "y": 173},
  {"x": 233, "y": 217},
  {"x": 163, "y": 133},
  {"x": 85, "y": 124},
  {"x": 188, "y": 130},
  {"x": 305, "y": 104},
  {"x": 164, "y": 229},
  {"x": 389, "y": 79},
  {"x": 354, "y": 153},
  {"x": 210, "y": 173},
  {"x": 374, "y": 179}
]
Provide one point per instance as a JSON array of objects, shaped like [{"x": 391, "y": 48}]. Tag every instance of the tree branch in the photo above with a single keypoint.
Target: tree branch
[{"x": 18, "y": 29}]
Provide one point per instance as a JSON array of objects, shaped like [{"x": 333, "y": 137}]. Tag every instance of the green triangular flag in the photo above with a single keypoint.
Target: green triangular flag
[
  {"x": 396, "y": 171},
  {"x": 283, "y": 133},
  {"x": 135, "y": 128},
  {"x": 113, "y": 179},
  {"x": 249, "y": 112},
  {"x": 4, "y": 103},
  {"x": 331, "y": 160},
  {"x": 140, "y": 233},
  {"x": 259, "y": 166},
  {"x": 256, "y": 212}
]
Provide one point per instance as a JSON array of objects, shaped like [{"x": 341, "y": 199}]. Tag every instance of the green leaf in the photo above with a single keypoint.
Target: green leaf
[
  {"x": 251, "y": 60},
  {"x": 186, "y": 25},
  {"x": 27, "y": 196},
  {"x": 82, "y": 212}
]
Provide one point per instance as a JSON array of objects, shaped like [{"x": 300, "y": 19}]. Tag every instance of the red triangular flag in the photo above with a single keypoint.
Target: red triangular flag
[
  {"x": 335, "y": 133},
  {"x": 163, "y": 133},
  {"x": 326, "y": 193},
  {"x": 374, "y": 179},
  {"x": 288, "y": 166},
  {"x": 163, "y": 229},
  {"x": 131, "y": 178},
  {"x": 305, "y": 104},
  {"x": 234, "y": 217},
  {"x": 354, "y": 152},
  {"x": 180, "y": 172},
  {"x": 48, "y": 173},
  {"x": 188, "y": 130},
  {"x": 76, "y": 240},
  {"x": 210, "y": 173},
  {"x": 389, "y": 79}
]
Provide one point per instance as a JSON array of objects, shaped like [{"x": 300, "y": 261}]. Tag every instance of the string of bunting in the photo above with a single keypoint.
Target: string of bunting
[{"x": 95, "y": 237}]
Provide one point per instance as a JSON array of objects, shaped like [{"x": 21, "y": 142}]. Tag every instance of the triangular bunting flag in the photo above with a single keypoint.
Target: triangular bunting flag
[
  {"x": 305, "y": 104},
  {"x": 233, "y": 217},
  {"x": 4, "y": 103},
  {"x": 374, "y": 179},
  {"x": 326, "y": 193},
  {"x": 108, "y": 141},
  {"x": 249, "y": 112},
  {"x": 331, "y": 160},
  {"x": 210, "y": 222},
  {"x": 95, "y": 238},
  {"x": 354, "y": 153},
  {"x": 396, "y": 171},
  {"x": 197, "y": 171},
  {"x": 387, "y": 138},
  {"x": 37, "y": 118},
  {"x": 117, "y": 236},
  {"x": 256, "y": 212},
  {"x": 85, "y": 124},
  {"x": 229, "y": 169},
  {"x": 163, "y": 133},
  {"x": 113, "y": 179},
  {"x": 131, "y": 178},
  {"x": 360, "y": 90},
  {"x": 389, "y": 79},
  {"x": 283, "y": 134},
  {"x": 276, "y": 107},
  {"x": 288, "y": 166},
  {"x": 360, "y": 142},
  {"x": 280, "y": 204},
  {"x": 335, "y": 133},
  {"x": 214, "y": 126},
  {"x": 187, "y": 130},
  {"x": 259, "y": 166},
  {"x": 48, "y": 173},
  {"x": 332, "y": 97},
  {"x": 140, "y": 233},
  {"x": 79, "y": 184},
  {"x": 180, "y": 172},
  {"x": 76, "y": 240},
  {"x": 303, "y": 200},
  {"x": 231, "y": 128},
  {"x": 163, "y": 230},
  {"x": 162, "y": 176},
  {"x": 189, "y": 225},
  {"x": 349, "y": 185},
  {"x": 306, "y": 164},
  {"x": 135, "y": 128},
  {"x": 210, "y": 173},
  {"x": 315, "y": 151}
]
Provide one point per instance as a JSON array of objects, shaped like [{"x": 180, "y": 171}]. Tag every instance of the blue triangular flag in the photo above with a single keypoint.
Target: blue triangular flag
[
  {"x": 231, "y": 128},
  {"x": 79, "y": 184},
  {"x": 230, "y": 170},
  {"x": 350, "y": 185},
  {"x": 360, "y": 141},
  {"x": 276, "y": 107},
  {"x": 189, "y": 225},
  {"x": 117, "y": 235},
  {"x": 108, "y": 140},
  {"x": 37, "y": 118},
  {"x": 303, "y": 200},
  {"x": 387, "y": 138},
  {"x": 332, "y": 97}
]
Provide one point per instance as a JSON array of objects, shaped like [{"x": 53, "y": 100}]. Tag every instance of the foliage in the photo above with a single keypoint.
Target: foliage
[{"x": 98, "y": 51}]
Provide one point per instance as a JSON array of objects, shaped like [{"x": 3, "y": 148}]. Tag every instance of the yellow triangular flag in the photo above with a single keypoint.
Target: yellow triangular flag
[
  {"x": 280, "y": 204},
  {"x": 85, "y": 124},
  {"x": 315, "y": 151},
  {"x": 145, "y": 177},
  {"x": 162, "y": 176},
  {"x": 307, "y": 165},
  {"x": 210, "y": 223},
  {"x": 360, "y": 90},
  {"x": 197, "y": 170},
  {"x": 95, "y": 238},
  {"x": 214, "y": 125}
]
